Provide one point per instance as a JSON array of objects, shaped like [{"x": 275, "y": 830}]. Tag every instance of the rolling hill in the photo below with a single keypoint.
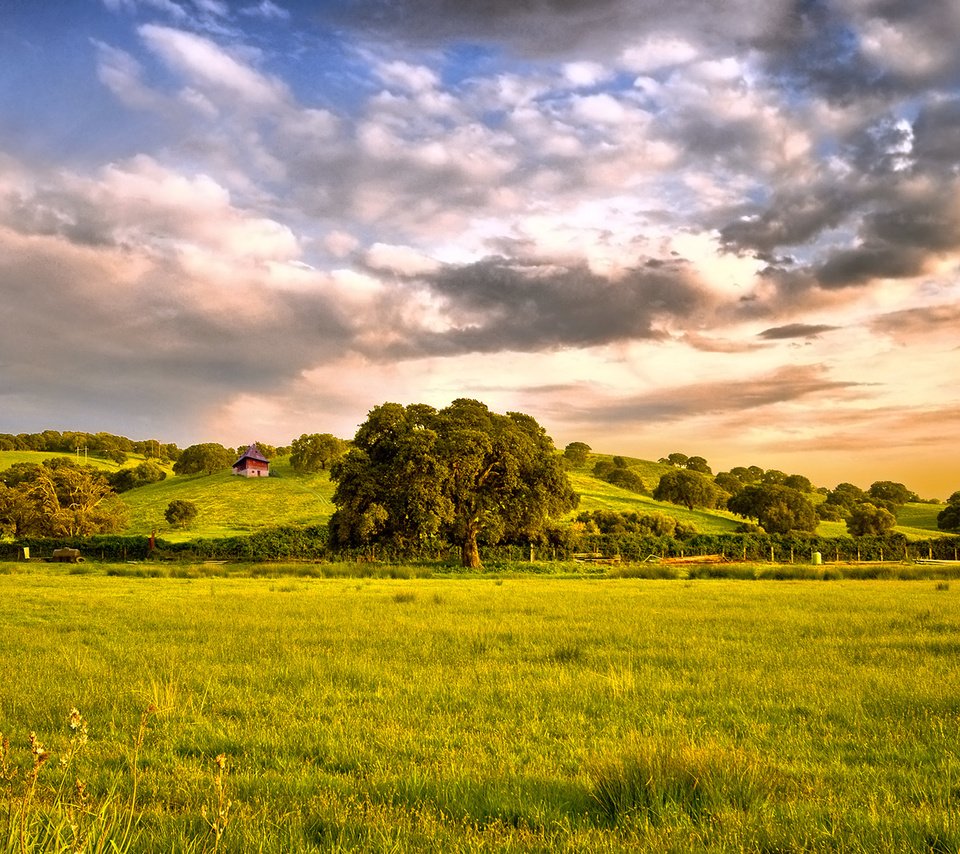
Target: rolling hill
[{"x": 230, "y": 505}]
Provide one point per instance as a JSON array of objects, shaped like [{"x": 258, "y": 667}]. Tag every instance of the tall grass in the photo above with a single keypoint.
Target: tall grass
[{"x": 535, "y": 714}]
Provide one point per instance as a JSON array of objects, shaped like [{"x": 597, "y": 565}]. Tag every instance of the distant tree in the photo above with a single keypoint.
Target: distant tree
[
  {"x": 778, "y": 509},
  {"x": 890, "y": 494},
  {"x": 798, "y": 482},
  {"x": 868, "y": 519},
  {"x": 948, "y": 519},
  {"x": 831, "y": 512},
  {"x": 627, "y": 479},
  {"x": 205, "y": 458},
  {"x": 747, "y": 475},
  {"x": 688, "y": 488},
  {"x": 603, "y": 468},
  {"x": 462, "y": 472},
  {"x": 314, "y": 452},
  {"x": 729, "y": 482},
  {"x": 675, "y": 459},
  {"x": 131, "y": 478},
  {"x": 180, "y": 513},
  {"x": 620, "y": 463},
  {"x": 845, "y": 496},
  {"x": 698, "y": 464},
  {"x": 774, "y": 476},
  {"x": 613, "y": 522},
  {"x": 577, "y": 453}
]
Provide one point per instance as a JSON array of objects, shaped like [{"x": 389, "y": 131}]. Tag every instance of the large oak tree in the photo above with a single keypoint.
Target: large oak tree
[{"x": 463, "y": 473}]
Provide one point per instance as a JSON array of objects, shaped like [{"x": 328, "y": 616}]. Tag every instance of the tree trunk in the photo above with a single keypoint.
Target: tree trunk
[{"x": 469, "y": 553}]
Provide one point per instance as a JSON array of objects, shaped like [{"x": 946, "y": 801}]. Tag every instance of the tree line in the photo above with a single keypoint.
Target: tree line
[{"x": 416, "y": 478}]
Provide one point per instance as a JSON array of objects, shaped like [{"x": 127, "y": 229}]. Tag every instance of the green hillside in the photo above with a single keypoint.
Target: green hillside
[
  {"x": 229, "y": 505},
  {"x": 10, "y": 458},
  {"x": 596, "y": 494},
  {"x": 919, "y": 520}
]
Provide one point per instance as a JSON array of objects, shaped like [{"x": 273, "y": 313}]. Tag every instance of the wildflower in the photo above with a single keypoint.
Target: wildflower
[
  {"x": 79, "y": 725},
  {"x": 40, "y": 753}
]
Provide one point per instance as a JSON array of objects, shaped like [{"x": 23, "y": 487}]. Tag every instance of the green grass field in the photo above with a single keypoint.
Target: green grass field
[
  {"x": 517, "y": 714},
  {"x": 230, "y": 505},
  {"x": 9, "y": 458}
]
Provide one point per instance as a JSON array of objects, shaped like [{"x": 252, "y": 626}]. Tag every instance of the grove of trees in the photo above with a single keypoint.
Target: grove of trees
[
  {"x": 778, "y": 509},
  {"x": 205, "y": 458},
  {"x": 462, "y": 473},
  {"x": 58, "y": 498}
]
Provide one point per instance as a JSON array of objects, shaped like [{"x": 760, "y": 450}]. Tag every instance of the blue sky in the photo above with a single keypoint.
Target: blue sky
[{"x": 728, "y": 229}]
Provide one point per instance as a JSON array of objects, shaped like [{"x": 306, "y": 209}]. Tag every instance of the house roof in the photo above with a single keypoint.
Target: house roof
[{"x": 252, "y": 453}]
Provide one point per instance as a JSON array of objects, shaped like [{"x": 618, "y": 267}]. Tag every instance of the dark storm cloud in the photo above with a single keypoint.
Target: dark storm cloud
[
  {"x": 795, "y": 330},
  {"x": 818, "y": 49},
  {"x": 736, "y": 396},
  {"x": 498, "y": 304},
  {"x": 794, "y": 216}
]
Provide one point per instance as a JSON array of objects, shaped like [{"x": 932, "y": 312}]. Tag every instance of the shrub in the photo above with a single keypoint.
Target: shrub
[{"x": 180, "y": 513}]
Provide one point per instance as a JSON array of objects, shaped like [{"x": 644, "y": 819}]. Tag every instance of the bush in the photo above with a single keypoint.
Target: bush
[{"x": 180, "y": 513}]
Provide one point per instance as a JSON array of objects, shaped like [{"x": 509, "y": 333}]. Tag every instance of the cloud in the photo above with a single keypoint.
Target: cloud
[
  {"x": 795, "y": 330},
  {"x": 497, "y": 304},
  {"x": 915, "y": 325},
  {"x": 738, "y": 397},
  {"x": 586, "y": 28},
  {"x": 266, "y": 10},
  {"x": 212, "y": 69}
]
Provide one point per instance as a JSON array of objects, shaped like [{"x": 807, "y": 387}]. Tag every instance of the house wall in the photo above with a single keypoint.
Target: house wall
[{"x": 252, "y": 468}]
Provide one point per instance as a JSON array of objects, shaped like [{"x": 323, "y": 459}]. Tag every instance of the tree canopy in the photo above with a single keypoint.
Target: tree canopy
[
  {"x": 948, "y": 519},
  {"x": 890, "y": 494},
  {"x": 577, "y": 453},
  {"x": 59, "y": 499},
  {"x": 689, "y": 488},
  {"x": 866, "y": 519},
  {"x": 314, "y": 452},
  {"x": 181, "y": 513},
  {"x": 205, "y": 458},
  {"x": 777, "y": 508},
  {"x": 462, "y": 473}
]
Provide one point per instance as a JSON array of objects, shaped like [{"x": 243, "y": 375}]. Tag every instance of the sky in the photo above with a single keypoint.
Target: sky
[{"x": 717, "y": 227}]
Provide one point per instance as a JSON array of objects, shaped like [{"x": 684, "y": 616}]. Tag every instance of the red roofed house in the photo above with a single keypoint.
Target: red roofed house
[{"x": 252, "y": 464}]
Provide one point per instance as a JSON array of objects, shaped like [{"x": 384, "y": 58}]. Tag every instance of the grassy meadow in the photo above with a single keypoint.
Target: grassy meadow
[
  {"x": 479, "y": 714},
  {"x": 229, "y": 505}
]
